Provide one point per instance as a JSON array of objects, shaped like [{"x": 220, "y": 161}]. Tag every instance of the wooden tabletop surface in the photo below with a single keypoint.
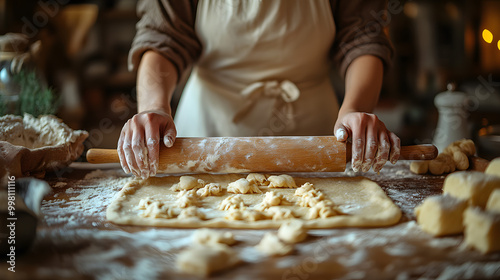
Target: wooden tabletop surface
[{"x": 74, "y": 240}]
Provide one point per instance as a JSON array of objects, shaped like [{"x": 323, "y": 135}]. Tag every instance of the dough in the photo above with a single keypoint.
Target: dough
[
  {"x": 243, "y": 186},
  {"x": 292, "y": 231},
  {"x": 281, "y": 181},
  {"x": 419, "y": 167},
  {"x": 271, "y": 199},
  {"x": 207, "y": 236},
  {"x": 471, "y": 185},
  {"x": 493, "y": 204},
  {"x": 482, "y": 230},
  {"x": 188, "y": 183},
  {"x": 258, "y": 179},
  {"x": 271, "y": 245},
  {"x": 203, "y": 260},
  {"x": 494, "y": 167},
  {"x": 209, "y": 189},
  {"x": 156, "y": 209},
  {"x": 186, "y": 199},
  {"x": 443, "y": 163},
  {"x": 349, "y": 202},
  {"x": 441, "y": 215}
]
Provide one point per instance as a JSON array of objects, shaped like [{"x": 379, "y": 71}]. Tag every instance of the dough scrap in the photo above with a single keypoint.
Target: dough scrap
[
  {"x": 323, "y": 210},
  {"x": 482, "y": 230},
  {"x": 207, "y": 236},
  {"x": 209, "y": 190},
  {"x": 156, "y": 209},
  {"x": 493, "y": 204},
  {"x": 292, "y": 231},
  {"x": 187, "y": 199},
  {"x": 473, "y": 186},
  {"x": 493, "y": 167},
  {"x": 281, "y": 181},
  {"x": 203, "y": 260},
  {"x": 243, "y": 186},
  {"x": 271, "y": 199},
  {"x": 305, "y": 188},
  {"x": 258, "y": 179},
  {"x": 232, "y": 202},
  {"x": 191, "y": 212},
  {"x": 441, "y": 215},
  {"x": 311, "y": 198},
  {"x": 271, "y": 245},
  {"x": 245, "y": 215},
  {"x": 279, "y": 213},
  {"x": 188, "y": 183}
]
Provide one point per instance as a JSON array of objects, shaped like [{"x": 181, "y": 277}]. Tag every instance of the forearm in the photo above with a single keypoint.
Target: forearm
[
  {"x": 363, "y": 84},
  {"x": 156, "y": 81}
]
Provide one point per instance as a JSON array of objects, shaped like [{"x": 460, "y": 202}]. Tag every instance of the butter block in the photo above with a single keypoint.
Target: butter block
[
  {"x": 494, "y": 167},
  {"x": 441, "y": 215},
  {"x": 473, "y": 186},
  {"x": 493, "y": 204},
  {"x": 482, "y": 230}
]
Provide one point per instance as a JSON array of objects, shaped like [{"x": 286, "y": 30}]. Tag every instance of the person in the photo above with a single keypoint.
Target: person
[{"x": 258, "y": 68}]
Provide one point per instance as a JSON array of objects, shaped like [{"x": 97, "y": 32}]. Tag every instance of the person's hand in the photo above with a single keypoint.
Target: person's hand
[
  {"x": 139, "y": 143},
  {"x": 372, "y": 143}
]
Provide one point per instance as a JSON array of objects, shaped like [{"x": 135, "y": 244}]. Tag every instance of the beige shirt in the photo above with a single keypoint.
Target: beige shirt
[{"x": 261, "y": 66}]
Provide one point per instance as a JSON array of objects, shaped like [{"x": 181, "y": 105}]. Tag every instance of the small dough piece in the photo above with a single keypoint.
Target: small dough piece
[
  {"x": 245, "y": 215},
  {"x": 202, "y": 260},
  {"x": 482, "y": 230},
  {"x": 467, "y": 146},
  {"x": 494, "y": 167},
  {"x": 271, "y": 199},
  {"x": 271, "y": 245},
  {"x": 443, "y": 163},
  {"x": 311, "y": 198},
  {"x": 441, "y": 215},
  {"x": 145, "y": 202},
  {"x": 419, "y": 167},
  {"x": 258, "y": 179},
  {"x": 209, "y": 190},
  {"x": 191, "y": 212},
  {"x": 243, "y": 186},
  {"x": 188, "y": 183},
  {"x": 493, "y": 204},
  {"x": 305, "y": 188},
  {"x": 187, "y": 199},
  {"x": 232, "y": 202},
  {"x": 209, "y": 236},
  {"x": 461, "y": 160},
  {"x": 281, "y": 181},
  {"x": 280, "y": 213},
  {"x": 323, "y": 209},
  {"x": 292, "y": 231},
  {"x": 473, "y": 186},
  {"x": 157, "y": 210}
]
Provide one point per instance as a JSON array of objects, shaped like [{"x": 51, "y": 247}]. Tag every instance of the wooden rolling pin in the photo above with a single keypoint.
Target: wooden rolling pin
[{"x": 257, "y": 154}]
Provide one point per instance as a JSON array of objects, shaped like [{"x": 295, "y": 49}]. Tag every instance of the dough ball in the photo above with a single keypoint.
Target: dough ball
[
  {"x": 494, "y": 167},
  {"x": 419, "y": 167},
  {"x": 209, "y": 236},
  {"x": 443, "y": 163},
  {"x": 258, "y": 179},
  {"x": 482, "y": 230},
  {"x": 292, "y": 231},
  {"x": 461, "y": 160},
  {"x": 203, "y": 260},
  {"x": 493, "y": 204},
  {"x": 188, "y": 183},
  {"x": 232, "y": 202},
  {"x": 441, "y": 215},
  {"x": 210, "y": 190},
  {"x": 473, "y": 186},
  {"x": 271, "y": 245},
  {"x": 281, "y": 181},
  {"x": 243, "y": 186},
  {"x": 467, "y": 146}
]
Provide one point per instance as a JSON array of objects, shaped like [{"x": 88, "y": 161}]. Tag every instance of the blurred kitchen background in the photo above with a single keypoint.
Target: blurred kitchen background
[{"x": 79, "y": 50}]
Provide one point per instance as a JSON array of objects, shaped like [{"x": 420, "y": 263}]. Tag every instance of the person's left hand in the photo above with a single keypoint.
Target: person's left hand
[{"x": 372, "y": 143}]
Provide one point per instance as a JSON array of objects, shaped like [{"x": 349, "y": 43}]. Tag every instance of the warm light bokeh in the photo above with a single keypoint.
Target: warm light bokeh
[{"x": 487, "y": 36}]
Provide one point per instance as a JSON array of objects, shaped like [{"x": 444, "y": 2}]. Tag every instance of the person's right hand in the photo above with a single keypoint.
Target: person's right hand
[{"x": 139, "y": 143}]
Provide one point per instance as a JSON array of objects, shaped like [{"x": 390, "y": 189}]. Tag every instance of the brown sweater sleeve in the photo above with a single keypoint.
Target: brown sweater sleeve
[
  {"x": 360, "y": 31},
  {"x": 166, "y": 27}
]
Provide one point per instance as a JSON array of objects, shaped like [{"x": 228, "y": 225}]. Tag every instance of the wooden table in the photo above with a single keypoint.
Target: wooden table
[{"x": 74, "y": 240}]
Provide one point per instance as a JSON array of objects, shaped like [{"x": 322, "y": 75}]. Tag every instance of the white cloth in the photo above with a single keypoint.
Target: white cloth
[{"x": 264, "y": 70}]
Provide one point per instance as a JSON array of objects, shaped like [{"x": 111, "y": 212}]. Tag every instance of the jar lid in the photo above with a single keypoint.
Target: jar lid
[
  {"x": 14, "y": 42},
  {"x": 450, "y": 98}
]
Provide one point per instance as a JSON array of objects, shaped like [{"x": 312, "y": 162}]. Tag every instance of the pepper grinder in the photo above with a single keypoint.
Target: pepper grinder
[{"x": 452, "y": 120}]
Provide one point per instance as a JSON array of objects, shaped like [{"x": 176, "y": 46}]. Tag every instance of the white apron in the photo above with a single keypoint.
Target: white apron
[{"x": 263, "y": 71}]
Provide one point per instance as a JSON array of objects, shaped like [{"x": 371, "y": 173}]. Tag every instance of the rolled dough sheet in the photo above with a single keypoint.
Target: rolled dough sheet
[{"x": 362, "y": 201}]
